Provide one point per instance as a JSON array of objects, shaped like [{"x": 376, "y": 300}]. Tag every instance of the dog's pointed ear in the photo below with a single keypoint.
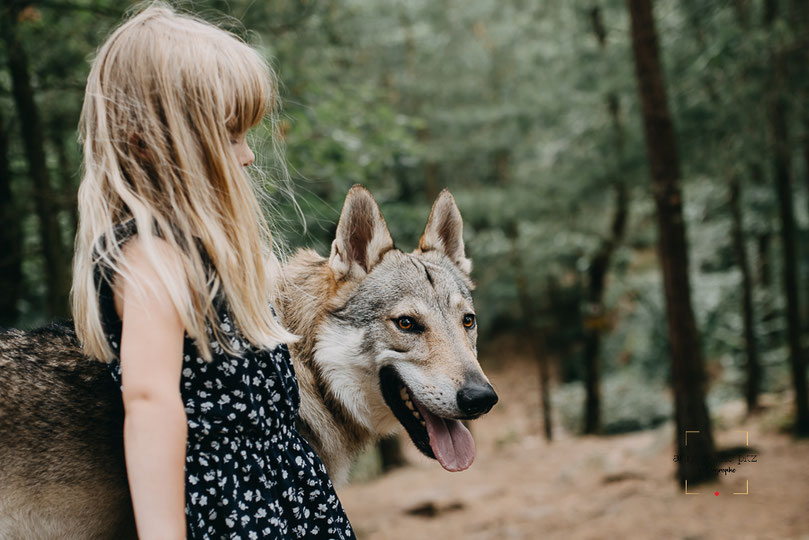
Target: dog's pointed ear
[
  {"x": 444, "y": 232},
  {"x": 362, "y": 236}
]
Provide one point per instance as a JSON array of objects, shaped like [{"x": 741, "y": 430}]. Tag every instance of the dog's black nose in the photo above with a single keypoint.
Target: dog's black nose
[{"x": 476, "y": 399}]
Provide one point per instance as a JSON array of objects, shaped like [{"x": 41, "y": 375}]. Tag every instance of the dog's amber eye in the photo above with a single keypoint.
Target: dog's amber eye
[
  {"x": 405, "y": 323},
  {"x": 469, "y": 320},
  {"x": 408, "y": 324}
]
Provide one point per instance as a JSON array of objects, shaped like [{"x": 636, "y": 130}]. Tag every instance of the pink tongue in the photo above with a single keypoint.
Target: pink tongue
[{"x": 451, "y": 442}]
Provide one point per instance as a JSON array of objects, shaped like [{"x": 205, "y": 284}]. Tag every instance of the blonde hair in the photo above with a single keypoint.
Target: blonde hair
[{"x": 165, "y": 95}]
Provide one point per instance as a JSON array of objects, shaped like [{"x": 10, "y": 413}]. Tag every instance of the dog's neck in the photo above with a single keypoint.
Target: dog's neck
[{"x": 342, "y": 410}]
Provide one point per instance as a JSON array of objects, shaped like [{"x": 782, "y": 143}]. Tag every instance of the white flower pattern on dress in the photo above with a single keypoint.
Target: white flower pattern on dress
[{"x": 242, "y": 442}]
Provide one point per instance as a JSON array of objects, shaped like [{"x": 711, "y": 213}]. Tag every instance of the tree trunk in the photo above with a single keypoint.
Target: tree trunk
[
  {"x": 56, "y": 271},
  {"x": 544, "y": 382},
  {"x": 10, "y": 238},
  {"x": 599, "y": 266},
  {"x": 697, "y": 457},
  {"x": 740, "y": 252},
  {"x": 535, "y": 335},
  {"x": 764, "y": 281},
  {"x": 783, "y": 186},
  {"x": 750, "y": 347},
  {"x": 805, "y": 151},
  {"x": 764, "y": 270},
  {"x": 596, "y": 314},
  {"x": 390, "y": 453},
  {"x": 799, "y": 84},
  {"x": 782, "y": 170},
  {"x": 806, "y": 148},
  {"x": 67, "y": 187}
]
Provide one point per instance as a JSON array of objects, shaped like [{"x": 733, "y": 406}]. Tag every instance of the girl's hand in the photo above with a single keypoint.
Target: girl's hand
[{"x": 155, "y": 427}]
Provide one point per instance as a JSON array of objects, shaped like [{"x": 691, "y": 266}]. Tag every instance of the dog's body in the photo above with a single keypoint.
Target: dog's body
[
  {"x": 387, "y": 338},
  {"x": 62, "y": 472}
]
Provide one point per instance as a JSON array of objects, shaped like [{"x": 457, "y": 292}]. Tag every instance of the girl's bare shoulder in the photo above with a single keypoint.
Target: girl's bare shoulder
[{"x": 147, "y": 263}]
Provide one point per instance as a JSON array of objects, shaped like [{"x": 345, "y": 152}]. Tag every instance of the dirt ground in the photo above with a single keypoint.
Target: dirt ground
[{"x": 588, "y": 487}]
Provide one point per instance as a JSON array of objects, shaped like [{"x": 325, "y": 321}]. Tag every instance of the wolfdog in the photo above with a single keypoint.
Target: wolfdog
[{"x": 388, "y": 339}]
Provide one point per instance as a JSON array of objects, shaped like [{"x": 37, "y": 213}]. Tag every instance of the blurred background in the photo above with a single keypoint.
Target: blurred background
[{"x": 636, "y": 205}]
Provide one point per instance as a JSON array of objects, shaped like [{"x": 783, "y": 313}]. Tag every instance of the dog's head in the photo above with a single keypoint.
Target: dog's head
[{"x": 414, "y": 325}]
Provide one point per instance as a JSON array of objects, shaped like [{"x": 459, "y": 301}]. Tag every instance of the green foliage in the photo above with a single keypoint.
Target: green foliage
[{"x": 505, "y": 103}]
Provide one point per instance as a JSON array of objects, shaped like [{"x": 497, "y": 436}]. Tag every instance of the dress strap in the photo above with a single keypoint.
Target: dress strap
[{"x": 104, "y": 277}]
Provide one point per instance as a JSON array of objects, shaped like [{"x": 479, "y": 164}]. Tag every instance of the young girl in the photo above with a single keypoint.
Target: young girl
[{"x": 172, "y": 280}]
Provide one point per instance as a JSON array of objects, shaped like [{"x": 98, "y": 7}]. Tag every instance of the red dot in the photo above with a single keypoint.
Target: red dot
[{"x": 716, "y": 493}]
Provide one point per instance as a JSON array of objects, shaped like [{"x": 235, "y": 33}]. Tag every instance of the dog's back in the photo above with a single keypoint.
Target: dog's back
[{"x": 61, "y": 452}]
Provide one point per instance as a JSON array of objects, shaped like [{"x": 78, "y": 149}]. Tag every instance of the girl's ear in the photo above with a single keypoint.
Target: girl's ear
[
  {"x": 362, "y": 236},
  {"x": 444, "y": 232}
]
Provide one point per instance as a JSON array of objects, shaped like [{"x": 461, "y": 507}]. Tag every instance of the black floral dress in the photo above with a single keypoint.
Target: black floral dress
[{"x": 248, "y": 473}]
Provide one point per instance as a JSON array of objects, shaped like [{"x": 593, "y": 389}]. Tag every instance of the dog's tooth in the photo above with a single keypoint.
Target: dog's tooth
[
  {"x": 422, "y": 422},
  {"x": 409, "y": 405},
  {"x": 403, "y": 394},
  {"x": 416, "y": 414}
]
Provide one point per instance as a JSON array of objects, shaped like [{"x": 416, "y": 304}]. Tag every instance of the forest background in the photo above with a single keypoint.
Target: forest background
[{"x": 537, "y": 117}]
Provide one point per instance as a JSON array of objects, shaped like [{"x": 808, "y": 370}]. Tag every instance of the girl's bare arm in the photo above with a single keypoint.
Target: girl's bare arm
[{"x": 155, "y": 427}]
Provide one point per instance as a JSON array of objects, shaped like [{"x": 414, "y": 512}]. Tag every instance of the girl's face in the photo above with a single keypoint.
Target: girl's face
[{"x": 238, "y": 144}]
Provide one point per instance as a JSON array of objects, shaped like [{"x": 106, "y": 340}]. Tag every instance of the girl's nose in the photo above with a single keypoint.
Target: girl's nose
[{"x": 248, "y": 157}]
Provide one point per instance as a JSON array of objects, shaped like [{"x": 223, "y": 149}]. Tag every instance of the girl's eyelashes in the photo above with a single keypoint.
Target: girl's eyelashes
[{"x": 236, "y": 138}]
